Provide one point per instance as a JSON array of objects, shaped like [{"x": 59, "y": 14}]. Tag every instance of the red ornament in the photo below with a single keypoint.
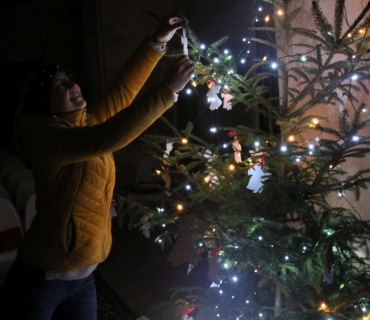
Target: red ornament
[
  {"x": 233, "y": 134},
  {"x": 187, "y": 311},
  {"x": 217, "y": 250},
  {"x": 335, "y": 162}
]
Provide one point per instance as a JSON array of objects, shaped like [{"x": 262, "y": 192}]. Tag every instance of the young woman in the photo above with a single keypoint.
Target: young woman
[{"x": 69, "y": 146}]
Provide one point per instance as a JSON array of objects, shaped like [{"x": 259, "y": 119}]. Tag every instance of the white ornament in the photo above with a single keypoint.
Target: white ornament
[
  {"x": 184, "y": 41},
  {"x": 190, "y": 268},
  {"x": 212, "y": 95},
  {"x": 169, "y": 147},
  {"x": 146, "y": 226},
  {"x": 258, "y": 177},
  {"x": 237, "y": 150},
  {"x": 227, "y": 97},
  {"x": 342, "y": 99}
]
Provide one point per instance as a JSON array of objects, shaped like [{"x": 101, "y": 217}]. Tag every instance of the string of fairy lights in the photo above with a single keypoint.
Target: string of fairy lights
[{"x": 228, "y": 266}]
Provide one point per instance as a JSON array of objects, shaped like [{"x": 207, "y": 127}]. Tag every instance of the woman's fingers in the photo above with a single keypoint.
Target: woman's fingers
[{"x": 179, "y": 73}]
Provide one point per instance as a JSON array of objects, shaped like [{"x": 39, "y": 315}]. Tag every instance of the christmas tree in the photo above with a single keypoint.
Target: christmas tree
[{"x": 258, "y": 205}]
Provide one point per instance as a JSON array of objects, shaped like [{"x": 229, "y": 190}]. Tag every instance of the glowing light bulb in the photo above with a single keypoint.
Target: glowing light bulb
[
  {"x": 226, "y": 51},
  {"x": 188, "y": 187},
  {"x": 231, "y": 167},
  {"x": 179, "y": 207},
  {"x": 207, "y": 179},
  {"x": 349, "y": 35},
  {"x": 284, "y": 148},
  {"x": 303, "y": 58},
  {"x": 216, "y": 60},
  {"x": 184, "y": 141},
  {"x": 354, "y": 77},
  {"x": 355, "y": 138},
  {"x": 188, "y": 91},
  {"x": 280, "y": 12},
  {"x": 260, "y": 238},
  {"x": 260, "y": 9},
  {"x": 264, "y": 58},
  {"x": 257, "y": 144},
  {"x": 235, "y": 279},
  {"x": 274, "y": 65},
  {"x": 315, "y": 120},
  {"x": 213, "y": 129},
  {"x": 291, "y": 138},
  {"x": 202, "y": 46},
  {"x": 323, "y": 306},
  {"x": 267, "y": 18},
  {"x": 242, "y": 60}
]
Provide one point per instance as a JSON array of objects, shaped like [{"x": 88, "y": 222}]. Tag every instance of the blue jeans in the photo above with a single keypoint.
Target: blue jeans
[{"x": 28, "y": 296}]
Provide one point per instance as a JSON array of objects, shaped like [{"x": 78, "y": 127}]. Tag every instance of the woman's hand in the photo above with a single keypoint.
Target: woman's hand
[
  {"x": 179, "y": 73},
  {"x": 168, "y": 26}
]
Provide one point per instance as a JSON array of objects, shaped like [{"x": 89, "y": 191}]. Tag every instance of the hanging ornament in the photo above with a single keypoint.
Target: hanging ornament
[
  {"x": 190, "y": 267},
  {"x": 146, "y": 226},
  {"x": 184, "y": 41},
  {"x": 167, "y": 181},
  {"x": 335, "y": 162},
  {"x": 342, "y": 99},
  {"x": 169, "y": 147},
  {"x": 257, "y": 178},
  {"x": 185, "y": 315},
  {"x": 237, "y": 147},
  {"x": 184, "y": 250},
  {"x": 213, "y": 267},
  {"x": 212, "y": 95},
  {"x": 237, "y": 150},
  {"x": 226, "y": 104},
  {"x": 215, "y": 285}
]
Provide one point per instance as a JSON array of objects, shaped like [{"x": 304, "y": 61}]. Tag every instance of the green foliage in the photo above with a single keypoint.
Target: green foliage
[{"x": 286, "y": 242}]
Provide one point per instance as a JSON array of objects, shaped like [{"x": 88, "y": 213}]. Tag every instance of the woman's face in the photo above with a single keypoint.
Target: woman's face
[{"x": 65, "y": 95}]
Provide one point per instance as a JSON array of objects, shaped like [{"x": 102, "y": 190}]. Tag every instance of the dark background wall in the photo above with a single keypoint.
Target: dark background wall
[{"x": 93, "y": 38}]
